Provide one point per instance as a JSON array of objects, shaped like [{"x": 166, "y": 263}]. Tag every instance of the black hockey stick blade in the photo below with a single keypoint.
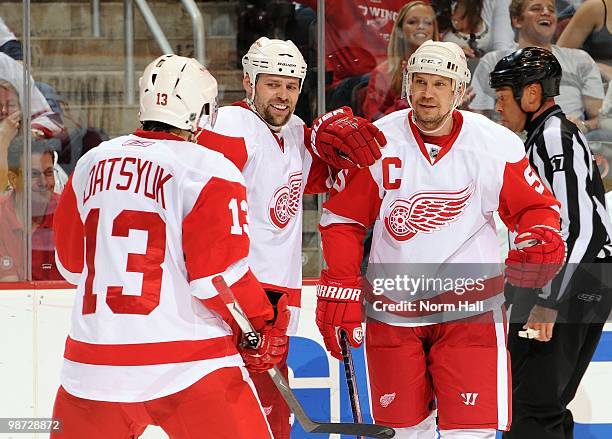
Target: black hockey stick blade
[
  {"x": 369, "y": 430},
  {"x": 310, "y": 426}
]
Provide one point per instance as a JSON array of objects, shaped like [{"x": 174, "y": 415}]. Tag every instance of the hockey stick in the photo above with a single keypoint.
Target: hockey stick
[
  {"x": 351, "y": 380},
  {"x": 252, "y": 338}
]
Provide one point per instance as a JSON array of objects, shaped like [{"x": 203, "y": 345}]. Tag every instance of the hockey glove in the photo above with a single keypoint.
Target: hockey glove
[
  {"x": 339, "y": 306},
  {"x": 345, "y": 141},
  {"x": 273, "y": 342},
  {"x": 539, "y": 256}
]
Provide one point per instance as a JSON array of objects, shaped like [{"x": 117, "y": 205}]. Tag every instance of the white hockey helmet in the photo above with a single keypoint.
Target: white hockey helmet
[
  {"x": 442, "y": 58},
  {"x": 276, "y": 57},
  {"x": 178, "y": 91}
]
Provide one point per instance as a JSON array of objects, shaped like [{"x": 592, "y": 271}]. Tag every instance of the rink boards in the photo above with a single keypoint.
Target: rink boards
[{"x": 35, "y": 324}]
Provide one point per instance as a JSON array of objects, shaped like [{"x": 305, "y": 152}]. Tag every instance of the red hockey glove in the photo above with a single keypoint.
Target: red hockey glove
[
  {"x": 540, "y": 253},
  {"x": 273, "y": 342},
  {"x": 339, "y": 306},
  {"x": 345, "y": 141}
]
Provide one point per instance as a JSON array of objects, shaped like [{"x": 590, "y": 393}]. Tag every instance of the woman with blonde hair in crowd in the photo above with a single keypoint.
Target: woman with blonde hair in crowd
[{"x": 415, "y": 24}]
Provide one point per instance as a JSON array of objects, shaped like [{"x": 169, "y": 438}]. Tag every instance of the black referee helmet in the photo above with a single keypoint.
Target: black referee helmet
[{"x": 527, "y": 66}]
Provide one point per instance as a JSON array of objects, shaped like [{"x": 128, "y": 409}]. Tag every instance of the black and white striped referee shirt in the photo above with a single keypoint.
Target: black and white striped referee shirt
[{"x": 560, "y": 154}]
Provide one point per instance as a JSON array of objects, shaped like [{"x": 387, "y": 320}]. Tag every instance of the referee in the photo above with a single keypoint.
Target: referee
[{"x": 569, "y": 312}]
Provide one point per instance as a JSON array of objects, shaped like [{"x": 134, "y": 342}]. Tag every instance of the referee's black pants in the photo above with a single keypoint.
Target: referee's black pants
[{"x": 546, "y": 375}]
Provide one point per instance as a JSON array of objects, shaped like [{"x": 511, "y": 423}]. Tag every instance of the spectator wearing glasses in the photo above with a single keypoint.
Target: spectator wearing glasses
[{"x": 13, "y": 215}]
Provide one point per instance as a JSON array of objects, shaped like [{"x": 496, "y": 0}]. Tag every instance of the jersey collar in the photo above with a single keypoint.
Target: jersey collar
[
  {"x": 533, "y": 126},
  {"x": 277, "y": 135},
  {"x": 444, "y": 142},
  {"x": 157, "y": 135}
]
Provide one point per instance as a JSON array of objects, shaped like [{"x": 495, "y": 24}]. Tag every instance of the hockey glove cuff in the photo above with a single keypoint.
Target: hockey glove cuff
[
  {"x": 540, "y": 254},
  {"x": 345, "y": 141},
  {"x": 273, "y": 342},
  {"x": 339, "y": 306}
]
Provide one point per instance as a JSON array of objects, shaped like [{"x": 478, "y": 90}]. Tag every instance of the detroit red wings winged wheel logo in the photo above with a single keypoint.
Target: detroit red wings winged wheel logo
[
  {"x": 426, "y": 212},
  {"x": 286, "y": 201}
]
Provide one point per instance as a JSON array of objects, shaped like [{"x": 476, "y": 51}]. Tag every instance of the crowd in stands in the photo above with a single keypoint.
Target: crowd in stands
[
  {"x": 57, "y": 143},
  {"x": 367, "y": 45}
]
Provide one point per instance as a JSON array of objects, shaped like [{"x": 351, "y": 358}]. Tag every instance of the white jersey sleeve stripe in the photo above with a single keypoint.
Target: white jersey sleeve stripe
[
  {"x": 203, "y": 288},
  {"x": 71, "y": 277}
]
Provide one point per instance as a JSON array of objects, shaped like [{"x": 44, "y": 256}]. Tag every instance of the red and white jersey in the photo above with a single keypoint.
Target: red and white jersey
[
  {"x": 434, "y": 205},
  {"x": 144, "y": 224},
  {"x": 278, "y": 169}
]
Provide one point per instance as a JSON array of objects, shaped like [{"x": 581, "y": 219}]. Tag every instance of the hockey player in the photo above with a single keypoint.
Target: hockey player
[
  {"x": 431, "y": 198},
  {"x": 144, "y": 224},
  {"x": 546, "y": 376},
  {"x": 276, "y": 156}
]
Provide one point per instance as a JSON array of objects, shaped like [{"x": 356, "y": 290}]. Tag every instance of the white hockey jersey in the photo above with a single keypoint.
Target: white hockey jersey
[
  {"x": 144, "y": 224},
  {"x": 278, "y": 170},
  {"x": 432, "y": 208}
]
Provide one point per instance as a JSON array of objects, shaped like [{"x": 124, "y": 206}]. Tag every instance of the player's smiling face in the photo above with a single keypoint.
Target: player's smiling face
[
  {"x": 511, "y": 115},
  {"x": 432, "y": 99},
  {"x": 276, "y": 97}
]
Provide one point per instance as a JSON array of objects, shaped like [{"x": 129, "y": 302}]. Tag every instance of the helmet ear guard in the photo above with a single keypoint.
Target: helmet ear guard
[{"x": 178, "y": 91}]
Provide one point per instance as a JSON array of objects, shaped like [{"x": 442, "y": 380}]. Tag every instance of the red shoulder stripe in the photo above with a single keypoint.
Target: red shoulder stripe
[{"x": 233, "y": 148}]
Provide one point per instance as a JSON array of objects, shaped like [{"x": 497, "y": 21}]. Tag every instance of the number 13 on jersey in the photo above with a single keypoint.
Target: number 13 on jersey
[
  {"x": 149, "y": 263},
  {"x": 239, "y": 227}
]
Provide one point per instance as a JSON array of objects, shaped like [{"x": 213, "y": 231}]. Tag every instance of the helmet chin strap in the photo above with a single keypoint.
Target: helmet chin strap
[
  {"x": 531, "y": 113},
  {"x": 431, "y": 132},
  {"x": 251, "y": 100},
  {"x": 273, "y": 128}
]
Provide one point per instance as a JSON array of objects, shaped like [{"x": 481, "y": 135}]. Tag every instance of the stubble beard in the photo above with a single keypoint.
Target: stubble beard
[
  {"x": 430, "y": 122},
  {"x": 275, "y": 122},
  {"x": 263, "y": 109}
]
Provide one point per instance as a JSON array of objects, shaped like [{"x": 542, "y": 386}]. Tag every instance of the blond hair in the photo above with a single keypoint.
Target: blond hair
[{"x": 397, "y": 50}]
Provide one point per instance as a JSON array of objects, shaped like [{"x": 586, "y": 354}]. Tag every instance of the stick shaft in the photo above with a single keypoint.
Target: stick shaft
[{"x": 351, "y": 379}]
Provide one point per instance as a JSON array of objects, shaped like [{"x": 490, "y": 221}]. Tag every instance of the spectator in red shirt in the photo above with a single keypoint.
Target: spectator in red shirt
[
  {"x": 356, "y": 34},
  {"x": 13, "y": 216},
  {"x": 415, "y": 24}
]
